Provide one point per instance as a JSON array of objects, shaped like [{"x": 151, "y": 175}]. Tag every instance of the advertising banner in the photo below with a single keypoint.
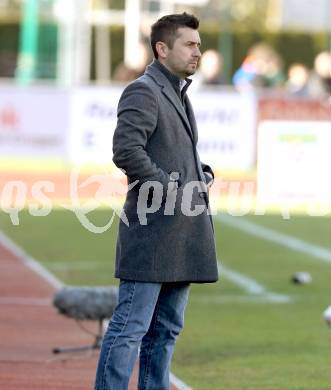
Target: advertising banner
[
  {"x": 293, "y": 156},
  {"x": 33, "y": 123},
  {"x": 92, "y": 124},
  {"x": 226, "y": 125},
  {"x": 77, "y": 125},
  {"x": 227, "y": 128},
  {"x": 293, "y": 161}
]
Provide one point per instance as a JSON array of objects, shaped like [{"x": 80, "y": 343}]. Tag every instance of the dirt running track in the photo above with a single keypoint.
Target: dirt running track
[{"x": 30, "y": 327}]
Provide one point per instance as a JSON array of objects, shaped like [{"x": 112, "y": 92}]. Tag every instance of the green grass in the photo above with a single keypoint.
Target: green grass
[{"x": 226, "y": 345}]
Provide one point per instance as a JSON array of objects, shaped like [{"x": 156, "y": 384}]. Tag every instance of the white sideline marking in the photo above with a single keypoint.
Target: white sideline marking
[
  {"x": 248, "y": 284},
  {"x": 178, "y": 383},
  {"x": 290, "y": 242},
  {"x": 30, "y": 262},
  {"x": 251, "y": 286},
  {"x": 55, "y": 282}
]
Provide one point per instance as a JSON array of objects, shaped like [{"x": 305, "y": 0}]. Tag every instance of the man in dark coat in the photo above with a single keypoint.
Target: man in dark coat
[{"x": 166, "y": 238}]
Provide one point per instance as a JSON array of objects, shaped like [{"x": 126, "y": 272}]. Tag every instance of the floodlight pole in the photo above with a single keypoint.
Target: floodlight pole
[
  {"x": 132, "y": 32},
  {"x": 328, "y": 24},
  {"x": 73, "y": 67},
  {"x": 28, "y": 46},
  {"x": 226, "y": 43}
]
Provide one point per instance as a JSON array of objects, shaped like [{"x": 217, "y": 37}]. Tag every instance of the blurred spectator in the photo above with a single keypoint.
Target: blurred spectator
[
  {"x": 320, "y": 80},
  {"x": 210, "y": 69},
  {"x": 263, "y": 67},
  {"x": 297, "y": 82},
  {"x": 124, "y": 73}
]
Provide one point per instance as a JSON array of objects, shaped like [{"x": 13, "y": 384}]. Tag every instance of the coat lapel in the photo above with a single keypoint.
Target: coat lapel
[
  {"x": 191, "y": 118},
  {"x": 169, "y": 92}
]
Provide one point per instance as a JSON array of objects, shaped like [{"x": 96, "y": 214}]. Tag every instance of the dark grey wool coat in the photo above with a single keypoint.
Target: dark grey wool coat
[{"x": 154, "y": 137}]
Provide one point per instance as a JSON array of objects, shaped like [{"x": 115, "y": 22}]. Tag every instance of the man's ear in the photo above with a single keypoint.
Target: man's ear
[{"x": 162, "y": 49}]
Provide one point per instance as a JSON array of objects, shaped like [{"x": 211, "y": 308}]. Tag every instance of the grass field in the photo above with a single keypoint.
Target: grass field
[{"x": 237, "y": 337}]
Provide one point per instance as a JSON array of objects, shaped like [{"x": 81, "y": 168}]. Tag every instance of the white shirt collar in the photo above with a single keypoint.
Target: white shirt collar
[{"x": 182, "y": 84}]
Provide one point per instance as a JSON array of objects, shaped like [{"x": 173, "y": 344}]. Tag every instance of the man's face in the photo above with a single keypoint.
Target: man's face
[{"x": 182, "y": 60}]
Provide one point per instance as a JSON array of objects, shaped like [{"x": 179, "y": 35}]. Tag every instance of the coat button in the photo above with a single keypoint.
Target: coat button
[{"x": 202, "y": 194}]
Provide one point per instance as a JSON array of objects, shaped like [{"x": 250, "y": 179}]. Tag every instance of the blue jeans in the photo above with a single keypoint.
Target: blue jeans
[{"x": 149, "y": 315}]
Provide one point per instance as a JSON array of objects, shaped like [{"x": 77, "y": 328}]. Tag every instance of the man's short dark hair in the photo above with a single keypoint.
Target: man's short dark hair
[{"x": 165, "y": 29}]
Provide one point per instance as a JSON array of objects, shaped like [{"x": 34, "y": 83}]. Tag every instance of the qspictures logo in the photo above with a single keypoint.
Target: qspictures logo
[
  {"x": 107, "y": 191},
  {"x": 87, "y": 193}
]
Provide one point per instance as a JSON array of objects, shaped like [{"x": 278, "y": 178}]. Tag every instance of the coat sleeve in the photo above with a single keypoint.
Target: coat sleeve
[{"x": 136, "y": 121}]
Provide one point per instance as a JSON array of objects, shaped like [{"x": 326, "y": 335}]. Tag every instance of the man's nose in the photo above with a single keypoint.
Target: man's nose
[{"x": 197, "y": 52}]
